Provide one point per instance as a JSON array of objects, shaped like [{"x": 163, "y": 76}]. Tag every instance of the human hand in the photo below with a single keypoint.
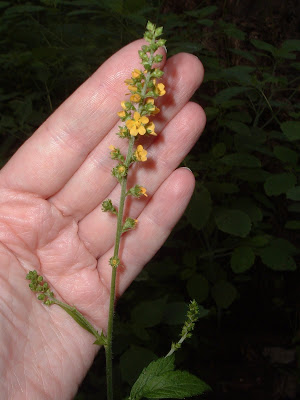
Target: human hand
[{"x": 51, "y": 221}]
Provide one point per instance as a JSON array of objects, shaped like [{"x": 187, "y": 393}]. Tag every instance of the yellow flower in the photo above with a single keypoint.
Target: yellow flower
[
  {"x": 141, "y": 154},
  {"x": 121, "y": 169},
  {"x": 136, "y": 73},
  {"x": 135, "y": 98},
  {"x": 112, "y": 148},
  {"x": 121, "y": 114},
  {"x": 143, "y": 191},
  {"x": 128, "y": 81},
  {"x": 150, "y": 127},
  {"x": 132, "y": 88},
  {"x": 154, "y": 110},
  {"x": 123, "y": 105},
  {"x": 136, "y": 125},
  {"x": 160, "y": 89},
  {"x": 122, "y": 132}
]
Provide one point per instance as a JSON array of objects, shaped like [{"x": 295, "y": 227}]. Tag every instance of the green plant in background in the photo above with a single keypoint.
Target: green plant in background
[
  {"x": 242, "y": 224},
  {"x": 159, "y": 379}
]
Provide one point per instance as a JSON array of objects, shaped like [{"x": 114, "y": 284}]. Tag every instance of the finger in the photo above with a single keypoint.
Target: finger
[
  {"x": 166, "y": 153},
  {"x": 93, "y": 182},
  {"x": 154, "y": 226},
  {"x": 51, "y": 156}
]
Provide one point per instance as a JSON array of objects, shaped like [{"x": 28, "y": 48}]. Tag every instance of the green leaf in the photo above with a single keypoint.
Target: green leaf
[
  {"x": 219, "y": 187},
  {"x": 199, "y": 209},
  {"x": 242, "y": 259},
  {"x": 229, "y": 93},
  {"x": 219, "y": 150},
  {"x": 238, "y": 127},
  {"x": 294, "y": 225},
  {"x": 259, "y": 44},
  {"x": 294, "y": 193},
  {"x": 149, "y": 313},
  {"x": 154, "y": 369},
  {"x": 203, "y": 12},
  {"x": 231, "y": 30},
  {"x": 175, "y": 313},
  {"x": 172, "y": 384},
  {"x": 198, "y": 288},
  {"x": 211, "y": 113},
  {"x": 241, "y": 160},
  {"x": 248, "y": 206},
  {"x": 291, "y": 129},
  {"x": 291, "y": 45},
  {"x": 133, "y": 361},
  {"x": 234, "y": 222},
  {"x": 224, "y": 294},
  {"x": 279, "y": 183},
  {"x": 286, "y": 155},
  {"x": 278, "y": 255}
]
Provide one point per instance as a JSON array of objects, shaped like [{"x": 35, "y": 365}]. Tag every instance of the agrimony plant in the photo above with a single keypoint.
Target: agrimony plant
[{"x": 159, "y": 379}]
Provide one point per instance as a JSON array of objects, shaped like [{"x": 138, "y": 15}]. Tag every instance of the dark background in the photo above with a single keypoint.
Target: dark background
[{"x": 235, "y": 249}]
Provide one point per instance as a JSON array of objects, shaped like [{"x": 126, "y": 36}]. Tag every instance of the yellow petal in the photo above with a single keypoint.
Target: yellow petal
[
  {"x": 144, "y": 120},
  {"x": 111, "y": 147},
  {"x": 142, "y": 130},
  {"x": 130, "y": 123},
  {"x": 136, "y": 116},
  {"x": 121, "y": 114}
]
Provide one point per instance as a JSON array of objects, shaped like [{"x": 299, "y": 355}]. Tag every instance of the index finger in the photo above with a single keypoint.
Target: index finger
[{"x": 49, "y": 158}]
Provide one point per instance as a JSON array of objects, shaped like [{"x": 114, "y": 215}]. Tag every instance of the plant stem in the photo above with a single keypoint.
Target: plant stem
[{"x": 108, "y": 347}]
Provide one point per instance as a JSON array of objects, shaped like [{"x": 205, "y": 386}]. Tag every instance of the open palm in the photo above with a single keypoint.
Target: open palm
[{"x": 51, "y": 221}]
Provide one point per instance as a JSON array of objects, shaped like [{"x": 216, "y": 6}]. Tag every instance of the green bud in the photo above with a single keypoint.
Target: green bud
[
  {"x": 114, "y": 262},
  {"x": 153, "y": 46},
  {"x": 145, "y": 48},
  {"x": 108, "y": 206},
  {"x": 119, "y": 171},
  {"x": 157, "y": 73},
  {"x": 161, "y": 42},
  {"x": 158, "y": 58},
  {"x": 40, "y": 278},
  {"x": 147, "y": 66},
  {"x": 143, "y": 55},
  {"x": 41, "y": 297},
  {"x": 150, "y": 27},
  {"x": 158, "y": 31},
  {"x": 148, "y": 37},
  {"x": 129, "y": 224}
]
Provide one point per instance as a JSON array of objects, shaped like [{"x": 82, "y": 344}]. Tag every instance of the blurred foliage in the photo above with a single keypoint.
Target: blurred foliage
[{"x": 237, "y": 240}]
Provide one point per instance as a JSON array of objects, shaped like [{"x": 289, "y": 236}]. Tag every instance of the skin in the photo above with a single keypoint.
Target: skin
[{"x": 51, "y": 220}]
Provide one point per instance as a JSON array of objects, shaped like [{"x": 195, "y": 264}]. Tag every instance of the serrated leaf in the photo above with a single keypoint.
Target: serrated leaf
[
  {"x": 224, "y": 294},
  {"x": 175, "y": 385},
  {"x": 234, "y": 222},
  {"x": 291, "y": 129},
  {"x": 293, "y": 193},
  {"x": 154, "y": 369},
  {"x": 278, "y": 184},
  {"x": 242, "y": 259},
  {"x": 133, "y": 361},
  {"x": 241, "y": 160}
]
